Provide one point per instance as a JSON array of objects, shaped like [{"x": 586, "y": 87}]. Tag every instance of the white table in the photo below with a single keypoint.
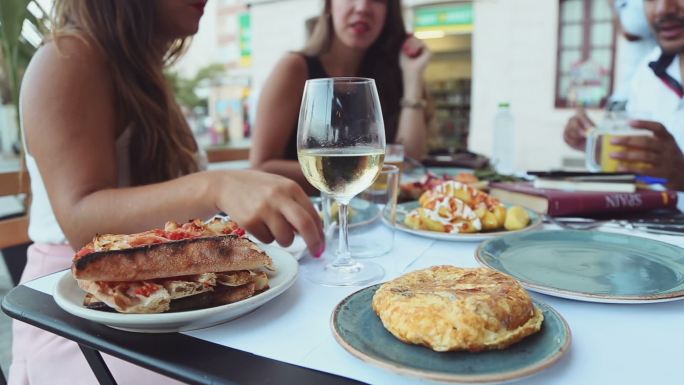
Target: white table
[{"x": 611, "y": 344}]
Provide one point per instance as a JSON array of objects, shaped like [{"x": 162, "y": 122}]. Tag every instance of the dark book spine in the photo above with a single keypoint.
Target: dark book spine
[{"x": 611, "y": 202}]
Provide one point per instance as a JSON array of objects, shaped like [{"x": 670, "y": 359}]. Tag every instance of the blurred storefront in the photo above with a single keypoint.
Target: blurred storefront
[
  {"x": 484, "y": 52},
  {"x": 447, "y": 30},
  {"x": 225, "y": 39},
  {"x": 445, "y": 26}
]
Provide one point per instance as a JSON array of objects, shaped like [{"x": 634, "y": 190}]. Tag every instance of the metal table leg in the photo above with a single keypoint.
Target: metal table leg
[{"x": 97, "y": 364}]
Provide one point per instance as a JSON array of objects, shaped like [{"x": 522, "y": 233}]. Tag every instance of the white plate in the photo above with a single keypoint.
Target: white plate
[
  {"x": 70, "y": 298},
  {"x": 295, "y": 249},
  {"x": 405, "y": 208}
]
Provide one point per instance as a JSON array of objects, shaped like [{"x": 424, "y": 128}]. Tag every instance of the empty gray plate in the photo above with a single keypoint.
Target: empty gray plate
[
  {"x": 589, "y": 265},
  {"x": 359, "y": 330}
]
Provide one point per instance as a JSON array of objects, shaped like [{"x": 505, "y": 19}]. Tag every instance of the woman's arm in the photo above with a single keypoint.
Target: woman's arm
[
  {"x": 412, "y": 130},
  {"x": 71, "y": 127},
  {"x": 277, "y": 114}
]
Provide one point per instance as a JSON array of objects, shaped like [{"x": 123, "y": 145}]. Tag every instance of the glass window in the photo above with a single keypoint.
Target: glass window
[
  {"x": 600, "y": 10},
  {"x": 602, "y": 56},
  {"x": 564, "y": 84},
  {"x": 568, "y": 58},
  {"x": 571, "y": 11},
  {"x": 572, "y": 35},
  {"x": 602, "y": 33},
  {"x": 586, "y": 40}
]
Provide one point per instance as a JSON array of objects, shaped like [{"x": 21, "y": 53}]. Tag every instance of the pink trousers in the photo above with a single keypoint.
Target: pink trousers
[{"x": 40, "y": 357}]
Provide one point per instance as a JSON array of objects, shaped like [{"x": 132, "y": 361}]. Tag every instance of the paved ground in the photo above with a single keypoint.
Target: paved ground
[{"x": 5, "y": 332}]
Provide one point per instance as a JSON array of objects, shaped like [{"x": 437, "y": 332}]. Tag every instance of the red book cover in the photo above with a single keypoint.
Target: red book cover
[{"x": 560, "y": 202}]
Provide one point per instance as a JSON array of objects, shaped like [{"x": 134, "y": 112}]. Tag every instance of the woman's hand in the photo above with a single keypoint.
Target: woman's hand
[
  {"x": 413, "y": 60},
  {"x": 660, "y": 152},
  {"x": 270, "y": 207},
  {"x": 575, "y": 133}
]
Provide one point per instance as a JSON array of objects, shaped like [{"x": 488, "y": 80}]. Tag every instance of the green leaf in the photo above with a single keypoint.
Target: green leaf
[
  {"x": 15, "y": 51},
  {"x": 12, "y": 15}
]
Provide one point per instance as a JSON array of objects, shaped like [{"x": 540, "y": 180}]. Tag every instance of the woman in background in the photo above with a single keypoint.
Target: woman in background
[
  {"x": 109, "y": 151},
  {"x": 364, "y": 38}
]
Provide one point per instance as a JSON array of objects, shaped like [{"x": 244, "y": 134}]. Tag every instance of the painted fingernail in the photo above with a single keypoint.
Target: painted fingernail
[{"x": 320, "y": 251}]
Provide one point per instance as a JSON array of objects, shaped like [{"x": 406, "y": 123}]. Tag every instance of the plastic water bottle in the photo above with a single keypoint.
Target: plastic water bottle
[{"x": 503, "y": 149}]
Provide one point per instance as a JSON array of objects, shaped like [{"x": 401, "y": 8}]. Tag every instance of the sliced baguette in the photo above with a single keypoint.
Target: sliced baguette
[{"x": 170, "y": 259}]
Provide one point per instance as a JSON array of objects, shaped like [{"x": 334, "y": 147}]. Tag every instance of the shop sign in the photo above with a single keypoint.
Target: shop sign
[
  {"x": 245, "y": 33},
  {"x": 456, "y": 18}
]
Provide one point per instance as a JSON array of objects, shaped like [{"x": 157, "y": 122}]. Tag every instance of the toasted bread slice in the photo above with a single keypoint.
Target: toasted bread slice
[
  {"x": 170, "y": 259},
  {"x": 194, "y": 302},
  {"x": 229, "y": 294}
]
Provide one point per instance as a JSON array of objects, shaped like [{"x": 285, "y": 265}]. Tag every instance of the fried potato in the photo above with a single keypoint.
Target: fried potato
[
  {"x": 428, "y": 224},
  {"x": 463, "y": 195},
  {"x": 489, "y": 222},
  {"x": 516, "y": 218},
  {"x": 500, "y": 214},
  {"x": 468, "y": 227},
  {"x": 413, "y": 220},
  {"x": 454, "y": 207}
]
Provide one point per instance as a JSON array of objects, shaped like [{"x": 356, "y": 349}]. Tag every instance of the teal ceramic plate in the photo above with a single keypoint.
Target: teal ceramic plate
[
  {"x": 589, "y": 265},
  {"x": 404, "y": 208},
  {"x": 359, "y": 330}
]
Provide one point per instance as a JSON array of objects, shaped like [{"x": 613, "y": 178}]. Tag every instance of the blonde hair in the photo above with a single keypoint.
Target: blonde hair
[{"x": 162, "y": 146}]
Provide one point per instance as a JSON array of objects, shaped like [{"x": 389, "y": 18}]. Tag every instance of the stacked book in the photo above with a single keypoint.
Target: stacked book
[
  {"x": 579, "y": 181},
  {"x": 566, "y": 194}
]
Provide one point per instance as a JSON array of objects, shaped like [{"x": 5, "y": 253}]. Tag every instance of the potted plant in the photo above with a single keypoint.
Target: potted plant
[{"x": 15, "y": 53}]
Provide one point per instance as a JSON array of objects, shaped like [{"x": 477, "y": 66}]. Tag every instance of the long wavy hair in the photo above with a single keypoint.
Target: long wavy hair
[
  {"x": 162, "y": 146},
  {"x": 381, "y": 61}
]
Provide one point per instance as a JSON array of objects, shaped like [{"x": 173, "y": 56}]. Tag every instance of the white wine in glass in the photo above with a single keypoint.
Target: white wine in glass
[
  {"x": 341, "y": 149},
  {"x": 341, "y": 173}
]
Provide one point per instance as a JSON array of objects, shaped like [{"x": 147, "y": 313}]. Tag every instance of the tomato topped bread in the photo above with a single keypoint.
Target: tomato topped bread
[
  {"x": 447, "y": 308},
  {"x": 144, "y": 272}
]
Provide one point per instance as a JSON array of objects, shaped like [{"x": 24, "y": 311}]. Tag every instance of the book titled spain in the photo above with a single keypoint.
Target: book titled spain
[{"x": 564, "y": 203}]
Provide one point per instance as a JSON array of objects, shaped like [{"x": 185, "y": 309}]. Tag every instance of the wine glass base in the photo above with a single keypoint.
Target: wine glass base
[{"x": 355, "y": 274}]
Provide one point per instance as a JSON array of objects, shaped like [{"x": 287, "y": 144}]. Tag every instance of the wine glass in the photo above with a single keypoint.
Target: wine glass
[{"x": 341, "y": 149}]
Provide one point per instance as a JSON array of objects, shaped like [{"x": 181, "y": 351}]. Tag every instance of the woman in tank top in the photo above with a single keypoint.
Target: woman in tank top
[
  {"x": 365, "y": 38},
  {"x": 109, "y": 151}
]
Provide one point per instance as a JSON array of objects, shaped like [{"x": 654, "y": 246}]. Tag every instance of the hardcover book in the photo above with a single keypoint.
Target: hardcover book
[
  {"x": 564, "y": 203},
  {"x": 571, "y": 185}
]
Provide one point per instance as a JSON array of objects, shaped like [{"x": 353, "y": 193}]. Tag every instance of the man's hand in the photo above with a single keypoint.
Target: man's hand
[
  {"x": 575, "y": 133},
  {"x": 660, "y": 152}
]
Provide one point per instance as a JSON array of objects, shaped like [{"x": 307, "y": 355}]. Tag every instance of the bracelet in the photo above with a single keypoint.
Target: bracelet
[{"x": 414, "y": 103}]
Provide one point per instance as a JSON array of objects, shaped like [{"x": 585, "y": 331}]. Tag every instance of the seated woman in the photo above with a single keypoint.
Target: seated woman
[
  {"x": 109, "y": 151},
  {"x": 363, "y": 38}
]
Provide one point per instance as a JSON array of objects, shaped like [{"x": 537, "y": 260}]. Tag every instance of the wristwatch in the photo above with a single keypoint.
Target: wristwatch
[{"x": 414, "y": 103}]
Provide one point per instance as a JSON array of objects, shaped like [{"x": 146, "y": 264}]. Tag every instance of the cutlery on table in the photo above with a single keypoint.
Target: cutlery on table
[{"x": 667, "y": 226}]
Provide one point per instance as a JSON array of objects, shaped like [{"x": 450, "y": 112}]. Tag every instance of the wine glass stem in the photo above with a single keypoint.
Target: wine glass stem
[{"x": 343, "y": 257}]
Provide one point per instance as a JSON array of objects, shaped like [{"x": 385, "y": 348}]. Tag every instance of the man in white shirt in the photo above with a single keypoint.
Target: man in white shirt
[
  {"x": 631, "y": 21},
  {"x": 640, "y": 42},
  {"x": 656, "y": 94}
]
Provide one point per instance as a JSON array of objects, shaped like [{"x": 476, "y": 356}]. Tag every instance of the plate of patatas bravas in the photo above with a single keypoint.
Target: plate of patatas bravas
[{"x": 454, "y": 211}]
